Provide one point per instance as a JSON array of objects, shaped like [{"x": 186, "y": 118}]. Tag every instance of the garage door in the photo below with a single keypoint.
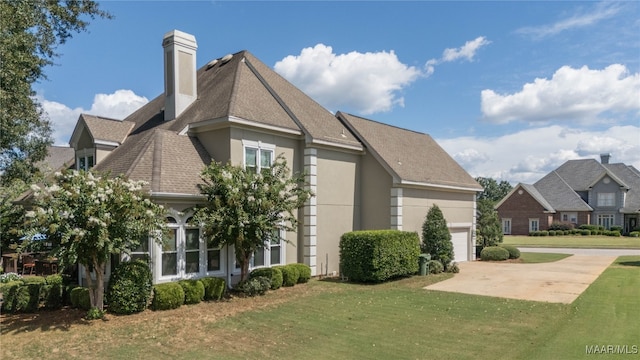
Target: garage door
[{"x": 460, "y": 245}]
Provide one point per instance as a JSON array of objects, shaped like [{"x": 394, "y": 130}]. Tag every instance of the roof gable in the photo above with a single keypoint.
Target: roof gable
[
  {"x": 102, "y": 130},
  {"x": 409, "y": 156},
  {"x": 556, "y": 192}
]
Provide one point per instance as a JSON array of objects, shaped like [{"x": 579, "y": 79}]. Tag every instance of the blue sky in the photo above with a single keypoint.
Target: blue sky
[{"x": 510, "y": 89}]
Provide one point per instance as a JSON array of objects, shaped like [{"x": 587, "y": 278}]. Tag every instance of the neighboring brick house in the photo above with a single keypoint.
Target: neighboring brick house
[
  {"x": 365, "y": 174},
  {"x": 578, "y": 192}
]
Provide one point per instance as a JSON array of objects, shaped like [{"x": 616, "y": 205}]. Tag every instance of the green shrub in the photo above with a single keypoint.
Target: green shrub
[
  {"x": 15, "y": 296},
  {"x": 94, "y": 314},
  {"x": 514, "y": 253},
  {"x": 80, "y": 298},
  {"x": 274, "y": 273},
  {"x": 563, "y": 225},
  {"x": 129, "y": 287},
  {"x": 254, "y": 286},
  {"x": 585, "y": 232},
  {"x": 304, "y": 271},
  {"x": 34, "y": 280},
  {"x": 53, "y": 296},
  {"x": 453, "y": 268},
  {"x": 544, "y": 233},
  {"x": 34, "y": 284},
  {"x": 167, "y": 296},
  {"x": 634, "y": 234},
  {"x": 435, "y": 267},
  {"x": 552, "y": 233},
  {"x": 193, "y": 291},
  {"x": 66, "y": 293},
  {"x": 614, "y": 233},
  {"x": 380, "y": 255},
  {"x": 214, "y": 287},
  {"x": 290, "y": 275},
  {"x": 54, "y": 279},
  {"x": 494, "y": 253},
  {"x": 590, "y": 227}
]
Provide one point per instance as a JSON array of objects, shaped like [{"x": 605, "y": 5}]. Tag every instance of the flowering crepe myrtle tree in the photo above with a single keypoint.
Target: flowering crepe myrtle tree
[
  {"x": 246, "y": 209},
  {"x": 87, "y": 218}
]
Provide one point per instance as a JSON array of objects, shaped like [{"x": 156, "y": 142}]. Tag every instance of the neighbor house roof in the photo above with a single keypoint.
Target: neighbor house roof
[
  {"x": 559, "y": 194},
  {"x": 411, "y": 157}
]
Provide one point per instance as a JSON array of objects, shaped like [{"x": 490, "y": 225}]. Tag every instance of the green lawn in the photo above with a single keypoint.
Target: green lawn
[
  {"x": 534, "y": 258},
  {"x": 334, "y": 320},
  {"x": 575, "y": 241}
]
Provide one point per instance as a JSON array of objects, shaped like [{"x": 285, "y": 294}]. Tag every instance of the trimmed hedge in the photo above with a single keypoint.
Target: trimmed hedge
[
  {"x": 494, "y": 253},
  {"x": 13, "y": 300},
  {"x": 514, "y": 253},
  {"x": 167, "y": 296},
  {"x": 380, "y": 255},
  {"x": 213, "y": 288},
  {"x": 304, "y": 271},
  {"x": 129, "y": 287},
  {"x": 193, "y": 291},
  {"x": 273, "y": 273},
  {"x": 80, "y": 298},
  {"x": 290, "y": 275}
]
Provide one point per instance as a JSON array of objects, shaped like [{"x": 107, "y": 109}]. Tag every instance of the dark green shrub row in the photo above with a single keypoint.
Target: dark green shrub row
[
  {"x": 193, "y": 291},
  {"x": 257, "y": 285},
  {"x": 634, "y": 234},
  {"x": 273, "y": 273},
  {"x": 380, "y": 255},
  {"x": 435, "y": 267},
  {"x": 80, "y": 298},
  {"x": 494, "y": 253},
  {"x": 30, "y": 293},
  {"x": 562, "y": 226},
  {"x": 514, "y": 253},
  {"x": 129, "y": 287},
  {"x": 290, "y": 275}
]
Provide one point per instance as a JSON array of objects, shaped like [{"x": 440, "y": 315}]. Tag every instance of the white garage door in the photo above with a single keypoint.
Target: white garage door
[{"x": 460, "y": 245}]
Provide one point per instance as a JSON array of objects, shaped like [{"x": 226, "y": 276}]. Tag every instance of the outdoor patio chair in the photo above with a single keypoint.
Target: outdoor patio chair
[{"x": 28, "y": 263}]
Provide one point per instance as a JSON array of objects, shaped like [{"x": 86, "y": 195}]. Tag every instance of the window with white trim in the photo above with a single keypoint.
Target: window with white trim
[
  {"x": 192, "y": 249},
  {"x": 142, "y": 251},
  {"x": 506, "y": 226},
  {"x": 571, "y": 217},
  {"x": 257, "y": 155},
  {"x": 534, "y": 225},
  {"x": 170, "y": 249},
  {"x": 606, "y": 199},
  {"x": 606, "y": 220},
  {"x": 84, "y": 162}
]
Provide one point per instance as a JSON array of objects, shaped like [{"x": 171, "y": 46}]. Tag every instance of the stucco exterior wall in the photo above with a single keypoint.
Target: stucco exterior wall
[
  {"x": 217, "y": 144},
  {"x": 338, "y": 204},
  {"x": 375, "y": 186}
]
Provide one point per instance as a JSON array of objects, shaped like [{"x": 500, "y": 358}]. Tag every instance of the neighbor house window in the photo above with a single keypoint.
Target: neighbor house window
[
  {"x": 606, "y": 220},
  {"x": 606, "y": 199},
  {"x": 534, "y": 225},
  {"x": 570, "y": 217},
  {"x": 506, "y": 226},
  {"x": 84, "y": 162},
  {"x": 257, "y": 155}
]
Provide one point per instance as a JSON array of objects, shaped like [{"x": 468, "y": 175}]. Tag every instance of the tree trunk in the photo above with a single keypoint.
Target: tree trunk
[
  {"x": 244, "y": 267},
  {"x": 98, "y": 298},
  {"x": 87, "y": 274}
]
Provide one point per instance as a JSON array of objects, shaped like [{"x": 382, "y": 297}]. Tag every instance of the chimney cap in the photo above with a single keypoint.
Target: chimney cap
[{"x": 604, "y": 158}]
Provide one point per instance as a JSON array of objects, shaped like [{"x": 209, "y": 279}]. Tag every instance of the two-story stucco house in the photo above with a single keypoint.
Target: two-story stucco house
[
  {"x": 579, "y": 192},
  {"x": 365, "y": 174}
]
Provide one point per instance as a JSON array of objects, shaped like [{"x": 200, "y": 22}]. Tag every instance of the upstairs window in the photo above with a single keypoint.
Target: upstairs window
[
  {"x": 606, "y": 199},
  {"x": 258, "y": 156},
  {"x": 85, "y": 162}
]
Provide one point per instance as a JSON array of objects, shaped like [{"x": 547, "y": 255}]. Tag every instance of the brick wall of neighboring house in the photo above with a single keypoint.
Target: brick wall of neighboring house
[
  {"x": 520, "y": 208},
  {"x": 584, "y": 217}
]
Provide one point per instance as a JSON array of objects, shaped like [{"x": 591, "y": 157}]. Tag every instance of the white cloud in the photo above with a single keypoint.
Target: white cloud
[
  {"x": 465, "y": 52},
  {"x": 528, "y": 155},
  {"x": 581, "y": 95},
  {"x": 602, "y": 10},
  {"x": 368, "y": 82},
  {"x": 117, "y": 106}
]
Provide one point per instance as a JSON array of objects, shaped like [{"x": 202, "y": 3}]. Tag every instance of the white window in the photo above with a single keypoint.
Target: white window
[
  {"x": 257, "y": 155},
  {"x": 271, "y": 254},
  {"x": 506, "y": 226},
  {"x": 571, "y": 217},
  {"x": 606, "y": 199},
  {"x": 534, "y": 225},
  {"x": 84, "y": 162},
  {"x": 606, "y": 220},
  {"x": 185, "y": 254}
]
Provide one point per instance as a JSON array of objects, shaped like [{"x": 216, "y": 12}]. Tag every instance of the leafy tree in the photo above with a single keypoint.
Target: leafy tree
[
  {"x": 494, "y": 191},
  {"x": 30, "y": 32},
  {"x": 88, "y": 218},
  {"x": 436, "y": 238},
  {"x": 11, "y": 215},
  {"x": 245, "y": 209},
  {"x": 488, "y": 226}
]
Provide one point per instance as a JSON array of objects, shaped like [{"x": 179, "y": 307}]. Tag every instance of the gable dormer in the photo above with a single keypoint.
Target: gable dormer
[{"x": 94, "y": 137}]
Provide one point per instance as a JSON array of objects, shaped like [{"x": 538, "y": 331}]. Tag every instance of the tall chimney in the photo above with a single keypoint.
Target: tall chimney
[
  {"x": 604, "y": 158},
  {"x": 180, "y": 87}
]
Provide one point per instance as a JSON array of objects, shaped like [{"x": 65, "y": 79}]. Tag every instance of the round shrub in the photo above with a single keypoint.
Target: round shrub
[
  {"x": 274, "y": 273},
  {"x": 15, "y": 296},
  {"x": 514, "y": 253},
  {"x": 634, "y": 234},
  {"x": 193, "y": 291},
  {"x": 494, "y": 253},
  {"x": 304, "y": 271},
  {"x": 435, "y": 267},
  {"x": 167, "y": 296},
  {"x": 80, "y": 298},
  {"x": 255, "y": 286},
  {"x": 53, "y": 296},
  {"x": 552, "y": 233},
  {"x": 213, "y": 288},
  {"x": 54, "y": 279},
  {"x": 290, "y": 275},
  {"x": 129, "y": 287},
  {"x": 585, "y": 232},
  {"x": 453, "y": 268}
]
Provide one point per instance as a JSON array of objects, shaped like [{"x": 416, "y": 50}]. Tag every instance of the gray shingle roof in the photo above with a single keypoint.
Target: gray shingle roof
[
  {"x": 631, "y": 177},
  {"x": 58, "y": 158},
  {"x": 106, "y": 129},
  {"x": 410, "y": 155},
  {"x": 559, "y": 194},
  {"x": 538, "y": 196}
]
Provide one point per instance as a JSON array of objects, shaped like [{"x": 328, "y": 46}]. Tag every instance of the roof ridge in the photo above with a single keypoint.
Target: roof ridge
[{"x": 385, "y": 124}]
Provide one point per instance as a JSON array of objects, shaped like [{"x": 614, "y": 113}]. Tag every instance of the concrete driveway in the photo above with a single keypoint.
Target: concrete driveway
[{"x": 558, "y": 282}]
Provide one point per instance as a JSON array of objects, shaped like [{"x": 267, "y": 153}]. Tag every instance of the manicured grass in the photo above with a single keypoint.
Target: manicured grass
[
  {"x": 334, "y": 320},
  {"x": 574, "y": 241},
  {"x": 534, "y": 258}
]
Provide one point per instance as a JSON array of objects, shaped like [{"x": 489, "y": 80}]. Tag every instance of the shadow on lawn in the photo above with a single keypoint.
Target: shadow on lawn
[
  {"x": 629, "y": 263},
  {"x": 61, "y": 319}
]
